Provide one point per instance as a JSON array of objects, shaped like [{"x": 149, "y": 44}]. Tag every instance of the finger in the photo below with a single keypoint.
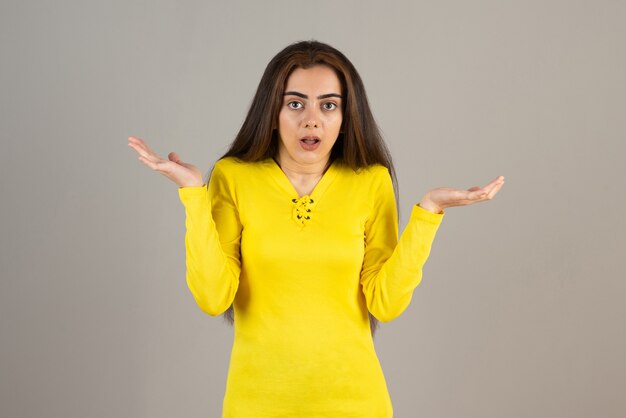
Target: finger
[
  {"x": 172, "y": 156},
  {"x": 495, "y": 190},
  {"x": 176, "y": 159},
  {"x": 147, "y": 162},
  {"x": 138, "y": 148},
  {"x": 145, "y": 151},
  {"x": 495, "y": 182},
  {"x": 488, "y": 192},
  {"x": 492, "y": 184},
  {"x": 138, "y": 142},
  {"x": 135, "y": 140},
  {"x": 160, "y": 166},
  {"x": 477, "y": 195},
  {"x": 466, "y": 197}
]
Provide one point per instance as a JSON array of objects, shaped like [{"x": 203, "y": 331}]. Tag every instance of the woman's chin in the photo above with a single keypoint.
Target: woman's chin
[
  {"x": 305, "y": 154},
  {"x": 310, "y": 158}
]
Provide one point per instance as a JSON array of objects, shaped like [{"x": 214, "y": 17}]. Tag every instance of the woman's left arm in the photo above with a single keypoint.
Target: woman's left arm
[{"x": 392, "y": 269}]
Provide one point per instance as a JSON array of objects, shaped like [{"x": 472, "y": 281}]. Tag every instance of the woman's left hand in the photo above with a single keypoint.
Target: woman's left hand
[{"x": 444, "y": 197}]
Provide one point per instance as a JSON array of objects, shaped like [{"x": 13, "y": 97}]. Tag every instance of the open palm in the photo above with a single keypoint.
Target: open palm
[
  {"x": 445, "y": 197},
  {"x": 181, "y": 173}
]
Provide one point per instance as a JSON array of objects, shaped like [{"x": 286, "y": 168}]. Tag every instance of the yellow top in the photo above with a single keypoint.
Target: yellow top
[{"x": 302, "y": 273}]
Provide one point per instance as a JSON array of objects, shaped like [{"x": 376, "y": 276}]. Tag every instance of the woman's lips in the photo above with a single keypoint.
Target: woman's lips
[{"x": 310, "y": 143}]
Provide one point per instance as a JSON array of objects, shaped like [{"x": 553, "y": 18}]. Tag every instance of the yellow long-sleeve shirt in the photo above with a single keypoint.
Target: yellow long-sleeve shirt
[{"x": 302, "y": 273}]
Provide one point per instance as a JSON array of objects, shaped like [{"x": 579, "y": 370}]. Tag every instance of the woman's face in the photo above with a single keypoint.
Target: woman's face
[{"x": 310, "y": 116}]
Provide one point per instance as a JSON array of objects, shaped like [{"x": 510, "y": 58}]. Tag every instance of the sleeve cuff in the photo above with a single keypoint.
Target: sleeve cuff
[
  {"x": 421, "y": 214},
  {"x": 189, "y": 193}
]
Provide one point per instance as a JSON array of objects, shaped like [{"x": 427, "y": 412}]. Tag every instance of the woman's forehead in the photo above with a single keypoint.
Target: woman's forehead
[{"x": 317, "y": 79}]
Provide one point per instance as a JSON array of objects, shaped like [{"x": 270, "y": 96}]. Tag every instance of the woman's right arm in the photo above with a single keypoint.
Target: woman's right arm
[
  {"x": 213, "y": 227},
  {"x": 212, "y": 242}
]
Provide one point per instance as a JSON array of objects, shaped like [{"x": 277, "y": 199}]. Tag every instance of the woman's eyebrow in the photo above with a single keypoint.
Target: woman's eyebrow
[{"x": 304, "y": 96}]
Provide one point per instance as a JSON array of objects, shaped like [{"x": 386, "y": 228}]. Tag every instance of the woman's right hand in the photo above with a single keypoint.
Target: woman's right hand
[{"x": 183, "y": 174}]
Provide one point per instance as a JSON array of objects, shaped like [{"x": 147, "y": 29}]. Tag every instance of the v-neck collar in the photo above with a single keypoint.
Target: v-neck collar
[{"x": 285, "y": 184}]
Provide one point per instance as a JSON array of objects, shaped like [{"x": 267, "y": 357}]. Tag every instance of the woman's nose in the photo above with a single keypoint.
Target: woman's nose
[{"x": 311, "y": 119}]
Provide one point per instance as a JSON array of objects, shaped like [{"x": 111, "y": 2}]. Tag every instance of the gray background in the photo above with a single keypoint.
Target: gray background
[{"x": 521, "y": 310}]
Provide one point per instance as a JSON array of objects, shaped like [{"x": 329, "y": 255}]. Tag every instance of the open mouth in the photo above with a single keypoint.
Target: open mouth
[{"x": 310, "y": 143}]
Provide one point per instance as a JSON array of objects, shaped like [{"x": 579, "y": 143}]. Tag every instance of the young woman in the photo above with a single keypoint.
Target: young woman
[{"x": 295, "y": 238}]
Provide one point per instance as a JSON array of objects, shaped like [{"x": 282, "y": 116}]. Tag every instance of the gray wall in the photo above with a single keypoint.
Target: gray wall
[{"x": 521, "y": 309}]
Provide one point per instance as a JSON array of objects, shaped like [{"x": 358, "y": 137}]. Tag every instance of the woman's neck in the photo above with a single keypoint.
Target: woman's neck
[{"x": 303, "y": 177}]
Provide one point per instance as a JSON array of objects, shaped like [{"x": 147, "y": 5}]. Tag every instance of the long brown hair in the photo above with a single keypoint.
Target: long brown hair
[{"x": 359, "y": 145}]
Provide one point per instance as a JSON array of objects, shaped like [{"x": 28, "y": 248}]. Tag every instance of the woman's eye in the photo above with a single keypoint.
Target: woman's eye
[
  {"x": 329, "y": 106},
  {"x": 294, "y": 105}
]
